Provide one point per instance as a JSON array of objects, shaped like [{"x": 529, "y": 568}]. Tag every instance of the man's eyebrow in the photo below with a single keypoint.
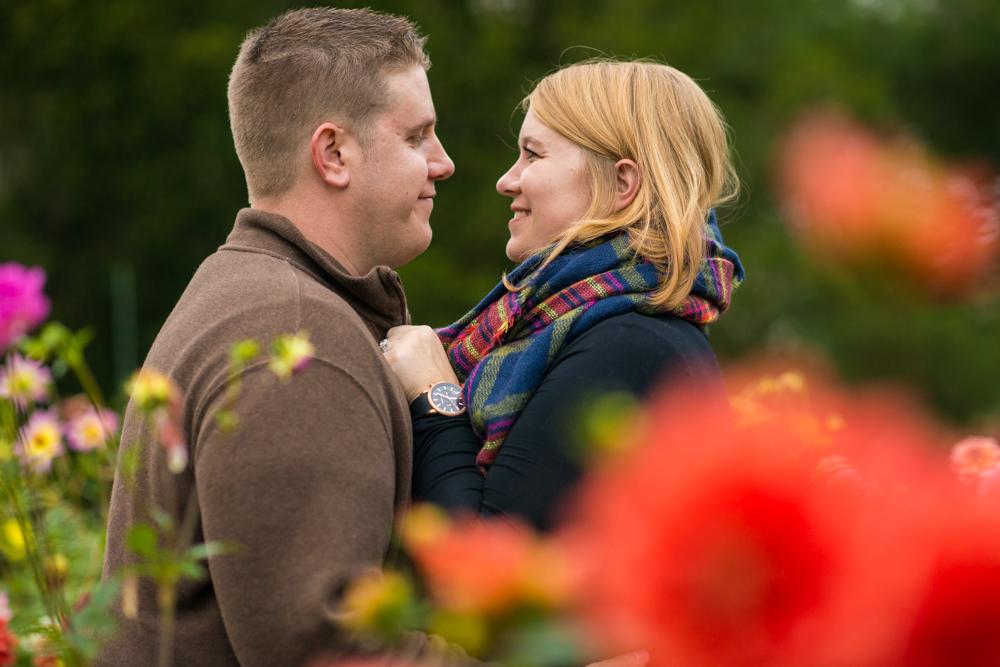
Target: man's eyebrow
[{"x": 422, "y": 125}]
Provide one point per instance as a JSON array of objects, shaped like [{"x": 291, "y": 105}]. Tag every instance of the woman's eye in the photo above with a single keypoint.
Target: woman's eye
[{"x": 528, "y": 153}]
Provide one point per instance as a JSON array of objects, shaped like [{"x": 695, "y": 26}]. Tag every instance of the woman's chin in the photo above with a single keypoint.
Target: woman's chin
[{"x": 517, "y": 252}]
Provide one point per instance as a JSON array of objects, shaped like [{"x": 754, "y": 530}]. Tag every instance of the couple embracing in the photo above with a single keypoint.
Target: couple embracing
[{"x": 621, "y": 269}]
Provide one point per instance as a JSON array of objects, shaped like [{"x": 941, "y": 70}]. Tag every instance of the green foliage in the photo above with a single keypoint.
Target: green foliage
[{"x": 116, "y": 146}]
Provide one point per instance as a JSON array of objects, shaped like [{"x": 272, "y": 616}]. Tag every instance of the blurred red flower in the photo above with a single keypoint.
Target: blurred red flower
[
  {"x": 856, "y": 197},
  {"x": 956, "y": 617},
  {"x": 23, "y": 306},
  {"x": 8, "y": 644},
  {"x": 711, "y": 549},
  {"x": 792, "y": 538}
]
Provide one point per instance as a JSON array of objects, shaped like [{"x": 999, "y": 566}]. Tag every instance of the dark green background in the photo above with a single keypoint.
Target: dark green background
[{"x": 115, "y": 147}]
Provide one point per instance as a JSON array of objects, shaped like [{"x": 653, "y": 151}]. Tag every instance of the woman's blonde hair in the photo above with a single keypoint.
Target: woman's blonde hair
[{"x": 663, "y": 121}]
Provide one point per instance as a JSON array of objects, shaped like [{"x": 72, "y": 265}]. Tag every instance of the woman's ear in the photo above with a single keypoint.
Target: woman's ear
[
  {"x": 327, "y": 142},
  {"x": 627, "y": 182}
]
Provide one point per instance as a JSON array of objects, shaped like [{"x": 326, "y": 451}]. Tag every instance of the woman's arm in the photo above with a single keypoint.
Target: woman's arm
[{"x": 537, "y": 463}]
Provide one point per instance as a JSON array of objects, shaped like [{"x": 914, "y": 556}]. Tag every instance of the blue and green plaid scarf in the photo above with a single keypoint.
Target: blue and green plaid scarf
[{"x": 503, "y": 347}]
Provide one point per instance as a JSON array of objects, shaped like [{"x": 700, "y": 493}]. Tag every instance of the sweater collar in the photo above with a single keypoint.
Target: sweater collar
[{"x": 377, "y": 296}]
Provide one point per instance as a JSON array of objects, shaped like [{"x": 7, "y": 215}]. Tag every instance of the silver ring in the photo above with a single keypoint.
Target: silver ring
[{"x": 384, "y": 345}]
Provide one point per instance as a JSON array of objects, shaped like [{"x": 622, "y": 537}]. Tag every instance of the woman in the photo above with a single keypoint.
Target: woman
[{"x": 622, "y": 269}]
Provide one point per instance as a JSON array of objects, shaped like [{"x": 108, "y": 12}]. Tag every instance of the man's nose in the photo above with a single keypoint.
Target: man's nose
[{"x": 440, "y": 165}]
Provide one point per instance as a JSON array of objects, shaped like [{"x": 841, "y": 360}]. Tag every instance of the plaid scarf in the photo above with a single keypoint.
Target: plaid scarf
[{"x": 502, "y": 349}]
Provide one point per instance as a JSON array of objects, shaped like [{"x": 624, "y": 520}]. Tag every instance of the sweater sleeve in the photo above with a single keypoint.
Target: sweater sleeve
[
  {"x": 308, "y": 501},
  {"x": 537, "y": 463}
]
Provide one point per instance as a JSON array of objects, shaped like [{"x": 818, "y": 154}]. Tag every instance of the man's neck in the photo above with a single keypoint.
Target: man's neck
[{"x": 319, "y": 222}]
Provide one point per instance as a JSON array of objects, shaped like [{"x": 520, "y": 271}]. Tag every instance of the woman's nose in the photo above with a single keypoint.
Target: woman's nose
[{"x": 509, "y": 183}]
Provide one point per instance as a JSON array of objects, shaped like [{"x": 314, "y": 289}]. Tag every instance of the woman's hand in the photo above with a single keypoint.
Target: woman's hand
[{"x": 418, "y": 359}]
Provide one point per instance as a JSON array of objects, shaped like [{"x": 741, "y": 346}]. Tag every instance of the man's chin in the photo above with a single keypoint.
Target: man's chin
[{"x": 420, "y": 242}]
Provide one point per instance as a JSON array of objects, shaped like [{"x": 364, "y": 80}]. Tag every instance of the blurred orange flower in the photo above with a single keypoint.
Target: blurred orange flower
[
  {"x": 851, "y": 195},
  {"x": 485, "y": 566}
]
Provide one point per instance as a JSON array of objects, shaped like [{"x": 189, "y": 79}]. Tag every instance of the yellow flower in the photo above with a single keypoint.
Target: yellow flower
[
  {"x": 12, "y": 540},
  {"x": 423, "y": 525},
  {"x": 151, "y": 390},
  {"x": 56, "y": 568},
  {"x": 291, "y": 354},
  {"x": 375, "y": 596}
]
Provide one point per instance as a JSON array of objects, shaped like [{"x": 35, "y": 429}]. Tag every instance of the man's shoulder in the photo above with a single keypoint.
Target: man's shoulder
[
  {"x": 262, "y": 291},
  {"x": 237, "y": 295}
]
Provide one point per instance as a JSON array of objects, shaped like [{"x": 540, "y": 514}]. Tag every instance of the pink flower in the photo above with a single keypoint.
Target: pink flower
[
  {"x": 973, "y": 456},
  {"x": 23, "y": 306},
  {"x": 23, "y": 381},
  {"x": 91, "y": 430},
  {"x": 40, "y": 441},
  {"x": 5, "y": 613}
]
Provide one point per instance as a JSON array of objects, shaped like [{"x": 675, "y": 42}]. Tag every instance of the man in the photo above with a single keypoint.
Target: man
[{"x": 333, "y": 122}]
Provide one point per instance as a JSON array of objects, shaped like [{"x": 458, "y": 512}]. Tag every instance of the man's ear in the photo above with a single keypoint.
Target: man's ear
[
  {"x": 327, "y": 143},
  {"x": 627, "y": 182}
]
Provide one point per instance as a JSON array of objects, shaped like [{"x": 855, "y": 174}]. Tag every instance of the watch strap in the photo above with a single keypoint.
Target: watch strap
[{"x": 421, "y": 405}]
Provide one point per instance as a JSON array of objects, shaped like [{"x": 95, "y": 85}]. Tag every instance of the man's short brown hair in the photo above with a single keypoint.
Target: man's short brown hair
[{"x": 308, "y": 67}]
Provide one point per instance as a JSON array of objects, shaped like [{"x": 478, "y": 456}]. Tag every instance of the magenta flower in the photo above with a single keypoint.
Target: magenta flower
[
  {"x": 23, "y": 305},
  {"x": 40, "y": 441},
  {"x": 23, "y": 381},
  {"x": 91, "y": 429}
]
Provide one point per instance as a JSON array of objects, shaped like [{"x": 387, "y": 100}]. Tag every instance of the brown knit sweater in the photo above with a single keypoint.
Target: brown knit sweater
[{"x": 309, "y": 484}]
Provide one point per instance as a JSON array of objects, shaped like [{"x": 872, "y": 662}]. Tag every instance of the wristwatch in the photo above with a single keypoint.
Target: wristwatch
[{"x": 442, "y": 398}]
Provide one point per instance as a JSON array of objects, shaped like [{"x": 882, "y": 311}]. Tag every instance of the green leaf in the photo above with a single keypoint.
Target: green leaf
[
  {"x": 540, "y": 643},
  {"x": 82, "y": 338},
  {"x": 227, "y": 420},
  {"x": 244, "y": 350},
  {"x": 209, "y": 549},
  {"x": 190, "y": 570},
  {"x": 142, "y": 540},
  {"x": 162, "y": 519}
]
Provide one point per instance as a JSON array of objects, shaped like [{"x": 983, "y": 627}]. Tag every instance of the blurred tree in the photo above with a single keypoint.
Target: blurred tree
[{"x": 115, "y": 145}]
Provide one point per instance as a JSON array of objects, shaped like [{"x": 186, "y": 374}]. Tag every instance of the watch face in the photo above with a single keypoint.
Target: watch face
[{"x": 446, "y": 398}]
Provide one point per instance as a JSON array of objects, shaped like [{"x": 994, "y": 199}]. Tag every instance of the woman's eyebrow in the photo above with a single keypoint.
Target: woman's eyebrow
[{"x": 528, "y": 139}]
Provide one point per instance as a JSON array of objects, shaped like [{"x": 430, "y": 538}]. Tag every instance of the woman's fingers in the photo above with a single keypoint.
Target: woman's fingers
[{"x": 418, "y": 359}]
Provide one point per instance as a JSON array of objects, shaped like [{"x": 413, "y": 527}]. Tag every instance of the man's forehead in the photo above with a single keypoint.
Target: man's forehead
[{"x": 411, "y": 107}]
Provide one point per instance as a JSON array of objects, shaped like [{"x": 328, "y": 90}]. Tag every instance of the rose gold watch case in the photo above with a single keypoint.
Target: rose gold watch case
[{"x": 433, "y": 410}]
